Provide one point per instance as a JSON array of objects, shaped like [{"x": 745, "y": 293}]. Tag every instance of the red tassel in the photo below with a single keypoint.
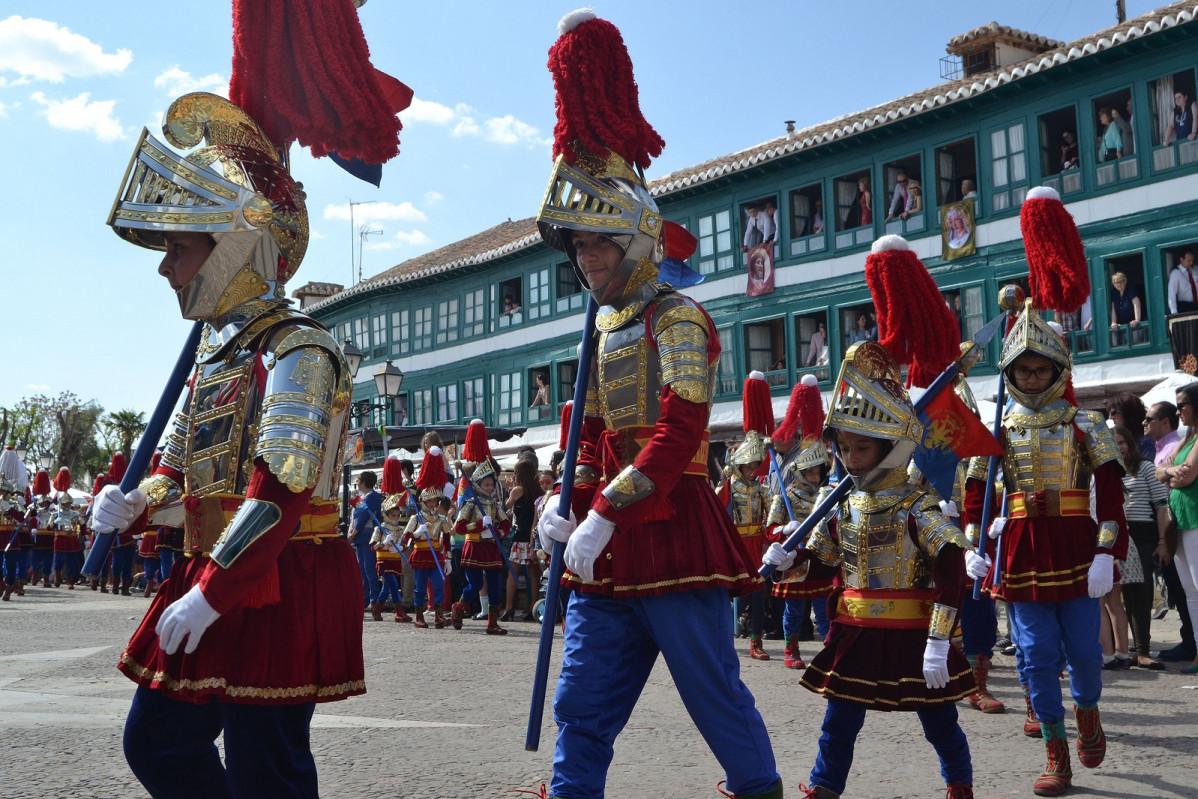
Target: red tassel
[
  {"x": 804, "y": 413},
  {"x": 476, "y": 449},
  {"x": 914, "y": 324},
  {"x": 564, "y": 434},
  {"x": 116, "y": 469},
  {"x": 598, "y": 102},
  {"x": 101, "y": 481},
  {"x": 392, "y": 477},
  {"x": 758, "y": 408},
  {"x": 1056, "y": 259},
  {"x": 41, "y": 483},
  {"x": 432, "y": 470},
  {"x": 303, "y": 72},
  {"x": 62, "y": 480}
]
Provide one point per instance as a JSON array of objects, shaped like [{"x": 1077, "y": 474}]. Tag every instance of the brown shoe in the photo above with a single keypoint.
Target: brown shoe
[
  {"x": 493, "y": 627},
  {"x": 982, "y": 699},
  {"x": 959, "y": 790},
  {"x": 438, "y": 618},
  {"x": 20, "y": 589},
  {"x": 419, "y": 621},
  {"x": 459, "y": 610},
  {"x": 1031, "y": 724},
  {"x": 376, "y": 611},
  {"x": 1091, "y": 740}
]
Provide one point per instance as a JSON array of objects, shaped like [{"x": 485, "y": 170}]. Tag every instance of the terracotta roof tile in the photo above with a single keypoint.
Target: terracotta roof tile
[{"x": 993, "y": 30}]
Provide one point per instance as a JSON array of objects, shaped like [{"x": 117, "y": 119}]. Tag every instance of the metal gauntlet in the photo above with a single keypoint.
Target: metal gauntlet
[
  {"x": 940, "y": 627},
  {"x": 629, "y": 486},
  {"x": 1107, "y": 533},
  {"x": 253, "y": 520}
]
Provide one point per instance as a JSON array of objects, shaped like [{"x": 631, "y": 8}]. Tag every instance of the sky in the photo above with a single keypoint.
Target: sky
[{"x": 86, "y": 312}]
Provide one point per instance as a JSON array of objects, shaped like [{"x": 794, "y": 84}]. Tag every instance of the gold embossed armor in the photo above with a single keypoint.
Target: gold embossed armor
[
  {"x": 1046, "y": 452},
  {"x": 750, "y": 501}
]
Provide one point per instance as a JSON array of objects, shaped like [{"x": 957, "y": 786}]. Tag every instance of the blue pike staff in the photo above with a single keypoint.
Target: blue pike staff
[
  {"x": 988, "y": 502},
  {"x": 829, "y": 502},
  {"x": 414, "y": 504},
  {"x": 777, "y": 473},
  {"x": 470, "y": 495},
  {"x": 557, "y": 560},
  {"x": 394, "y": 545},
  {"x": 102, "y": 545}
]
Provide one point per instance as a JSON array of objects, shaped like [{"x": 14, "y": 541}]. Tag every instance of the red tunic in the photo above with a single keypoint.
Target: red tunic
[
  {"x": 1047, "y": 559},
  {"x": 883, "y": 668},
  {"x": 304, "y": 646},
  {"x": 478, "y": 552}
]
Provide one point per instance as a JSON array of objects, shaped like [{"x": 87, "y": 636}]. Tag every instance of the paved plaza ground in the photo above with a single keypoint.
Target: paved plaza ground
[{"x": 445, "y": 714}]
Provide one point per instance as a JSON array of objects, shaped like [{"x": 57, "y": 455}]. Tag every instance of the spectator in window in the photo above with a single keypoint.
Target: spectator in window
[
  {"x": 817, "y": 218},
  {"x": 860, "y": 331},
  {"x": 865, "y": 202},
  {"x": 770, "y": 214},
  {"x": 1111, "y": 140},
  {"x": 817, "y": 350},
  {"x": 542, "y": 395},
  {"x": 1125, "y": 133},
  {"x": 873, "y": 326},
  {"x": 754, "y": 228},
  {"x": 954, "y": 304},
  {"x": 1129, "y": 138},
  {"x": 1080, "y": 320},
  {"x": 1183, "y": 285},
  {"x": 1185, "y": 119},
  {"x": 969, "y": 190},
  {"x": 898, "y": 199},
  {"x": 1068, "y": 151},
  {"x": 914, "y": 201},
  {"x": 510, "y": 306},
  {"x": 1126, "y": 307}
]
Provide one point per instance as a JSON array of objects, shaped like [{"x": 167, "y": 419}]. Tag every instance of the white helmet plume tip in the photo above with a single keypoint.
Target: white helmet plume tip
[
  {"x": 574, "y": 19},
  {"x": 1043, "y": 193},
  {"x": 476, "y": 421},
  {"x": 809, "y": 380},
  {"x": 756, "y": 375},
  {"x": 891, "y": 242},
  {"x": 434, "y": 450}
]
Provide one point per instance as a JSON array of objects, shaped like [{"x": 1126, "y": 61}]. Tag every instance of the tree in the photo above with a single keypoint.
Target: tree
[
  {"x": 77, "y": 422},
  {"x": 123, "y": 427}
]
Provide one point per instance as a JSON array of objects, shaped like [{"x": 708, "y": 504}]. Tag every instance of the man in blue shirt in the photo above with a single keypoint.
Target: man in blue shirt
[{"x": 362, "y": 527}]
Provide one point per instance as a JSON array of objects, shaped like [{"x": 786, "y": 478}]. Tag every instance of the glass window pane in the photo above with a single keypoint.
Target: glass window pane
[
  {"x": 724, "y": 241},
  {"x": 723, "y": 220},
  {"x": 998, "y": 143},
  {"x": 705, "y": 226},
  {"x": 1015, "y": 137},
  {"x": 1018, "y": 168},
  {"x": 999, "y": 167}
]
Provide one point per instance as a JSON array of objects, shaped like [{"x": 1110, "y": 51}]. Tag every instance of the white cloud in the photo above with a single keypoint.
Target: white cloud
[
  {"x": 81, "y": 115},
  {"x": 376, "y": 212},
  {"x": 316, "y": 235},
  {"x": 433, "y": 197},
  {"x": 462, "y": 121},
  {"x": 177, "y": 82},
  {"x": 37, "y": 49},
  {"x": 402, "y": 239},
  {"x": 37, "y": 387}
]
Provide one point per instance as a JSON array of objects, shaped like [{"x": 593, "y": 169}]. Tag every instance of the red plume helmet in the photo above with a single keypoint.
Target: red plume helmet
[
  {"x": 476, "y": 449},
  {"x": 116, "y": 469},
  {"x": 564, "y": 434},
  {"x": 915, "y": 325},
  {"x": 62, "y": 480},
  {"x": 392, "y": 477},
  {"x": 432, "y": 470},
  {"x": 41, "y": 483},
  {"x": 1056, "y": 258},
  {"x": 101, "y": 481},
  {"x": 757, "y": 405},
  {"x": 804, "y": 413}
]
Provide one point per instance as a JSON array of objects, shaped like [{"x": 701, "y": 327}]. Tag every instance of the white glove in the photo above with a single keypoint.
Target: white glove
[
  {"x": 949, "y": 508},
  {"x": 422, "y": 531},
  {"x": 585, "y": 546},
  {"x": 448, "y": 567},
  {"x": 389, "y": 542},
  {"x": 552, "y": 525},
  {"x": 996, "y": 526},
  {"x": 1101, "y": 577},
  {"x": 188, "y": 616},
  {"x": 776, "y": 556},
  {"x": 976, "y": 566},
  {"x": 935, "y": 663},
  {"x": 487, "y": 522},
  {"x": 113, "y": 512},
  {"x": 789, "y": 528}
]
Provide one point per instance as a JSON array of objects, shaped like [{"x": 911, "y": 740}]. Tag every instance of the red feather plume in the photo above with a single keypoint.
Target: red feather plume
[
  {"x": 564, "y": 433},
  {"x": 476, "y": 449},
  {"x": 62, "y": 480},
  {"x": 598, "y": 102},
  {"x": 804, "y": 413},
  {"x": 117, "y": 468},
  {"x": 757, "y": 406},
  {"x": 914, "y": 324},
  {"x": 1056, "y": 258},
  {"x": 41, "y": 483},
  {"x": 432, "y": 470},
  {"x": 392, "y": 477}
]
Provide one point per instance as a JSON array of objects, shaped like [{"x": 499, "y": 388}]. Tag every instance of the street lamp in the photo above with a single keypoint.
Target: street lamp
[
  {"x": 353, "y": 356},
  {"x": 387, "y": 380},
  {"x": 22, "y": 450},
  {"x": 46, "y": 460}
]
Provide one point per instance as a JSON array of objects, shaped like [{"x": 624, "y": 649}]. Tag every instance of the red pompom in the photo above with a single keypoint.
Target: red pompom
[
  {"x": 41, "y": 483},
  {"x": 757, "y": 406},
  {"x": 62, "y": 480},
  {"x": 303, "y": 72},
  {"x": 564, "y": 434},
  {"x": 1056, "y": 259},
  {"x": 476, "y": 449},
  {"x": 432, "y": 470},
  {"x": 101, "y": 481},
  {"x": 915, "y": 325},
  {"x": 804, "y": 414},
  {"x": 116, "y": 469},
  {"x": 392, "y": 477},
  {"x": 598, "y": 102}
]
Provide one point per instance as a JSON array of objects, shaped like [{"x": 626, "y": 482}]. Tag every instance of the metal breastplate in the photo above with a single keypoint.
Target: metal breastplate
[
  {"x": 219, "y": 433},
  {"x": 875, "y": 547},
  {"x": 1043, "y": 451},
  {"x": 748, "y": 502},
  {"x": 629, "y": 386}
]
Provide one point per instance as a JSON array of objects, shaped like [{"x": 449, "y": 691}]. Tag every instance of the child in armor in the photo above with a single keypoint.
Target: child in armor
[
  {"x": 388, "y": 560},
  {"x": 427, "y": 538}
]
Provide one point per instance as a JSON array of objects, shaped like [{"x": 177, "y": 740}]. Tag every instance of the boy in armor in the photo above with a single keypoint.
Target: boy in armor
[
  {"x": 747, "y": 501},
  {"x": 481, "y": 519},
  {"x": 385, "y": 543},
  {"x": 901, "y": 566},
  {"x": 428, "y": 539}
]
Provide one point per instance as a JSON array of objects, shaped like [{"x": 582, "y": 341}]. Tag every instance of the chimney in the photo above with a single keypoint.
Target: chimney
[{"x": 790, "y": 130}]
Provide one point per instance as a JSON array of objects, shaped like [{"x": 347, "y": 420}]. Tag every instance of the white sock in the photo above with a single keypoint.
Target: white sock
[
  {"x": 1123, "y": 655},
  {"x": 485, "y": 602},
  {"x": 1107, "y": 659}
]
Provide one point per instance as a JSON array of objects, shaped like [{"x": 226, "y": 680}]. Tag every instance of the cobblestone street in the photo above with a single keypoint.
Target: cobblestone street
[{"x": 446, "y": 712}]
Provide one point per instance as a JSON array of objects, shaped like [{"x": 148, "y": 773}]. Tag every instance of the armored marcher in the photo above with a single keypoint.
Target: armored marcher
[
  {"x": 12, "y": 535},
  {"x": 810, "y": 468},
  {"x": 1057, "y": 560},
  {"x": 68, "y": 526},
  {"x": 385, "y": 543},
  {"x": 39, "y": 518},
  {"x": 900, "y": 562},
  {"x": 747, "y": 501},
  {"x": 429, "y": 541},
  {"x": 481, "y": 518},
  {"x": 653, "y": 545},
  {"x": 262, "y": 616}
]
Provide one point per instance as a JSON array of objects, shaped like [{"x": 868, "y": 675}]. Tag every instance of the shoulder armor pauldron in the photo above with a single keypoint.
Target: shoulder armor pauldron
[
  {"x": 681, "y": 331},
  {"x": 1099, "y": 439},
  {"x": 933, "y": 529}
]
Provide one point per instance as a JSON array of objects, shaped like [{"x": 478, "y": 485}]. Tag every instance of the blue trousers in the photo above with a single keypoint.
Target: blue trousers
[
  {"x": 166, "y": 559},
  {"x": 122, "y": 564},
  {"x": 476, "y": 578},
  {"x": 796, "y": 611},
  {"x": 12, "y": 565},
  {"x": 69, "y": 562},
  {"x": 366, "y": 564},
  {"x": 842, "y": 723},
  {"x": 610, "y": 648},
  {"x": 1042, "y": 629},
  {"x": 420, "y": 588},
  {"x": 390, "y": 588},
  {"x": 171, "y": 747},
  {"x": 979, "y": 625},
  {"x": 43, "y": 561}
]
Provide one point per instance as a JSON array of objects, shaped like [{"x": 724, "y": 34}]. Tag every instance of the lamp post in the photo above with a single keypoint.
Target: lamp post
[
  {"x": 22, "y": 450},
  {"x": 46, "y": 460},
  {"x": 387, "y": 381}
]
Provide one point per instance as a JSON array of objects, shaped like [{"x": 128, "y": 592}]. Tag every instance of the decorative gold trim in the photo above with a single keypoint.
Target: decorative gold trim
[
  {"x": 177, "y": 685},
  {"x": 940, "y": 626}
]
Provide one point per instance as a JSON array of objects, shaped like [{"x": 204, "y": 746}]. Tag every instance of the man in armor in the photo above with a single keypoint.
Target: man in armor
[
  {"x": 68, "y": 549},
  {"x": 40, "y": 515},
  {"x": 262, "y": 616},
  {"x": 653, "y": 545},
  {"x": 900, "y": 564},
  {"x": 428, "y": 540},
  {"x": 13, "y": 537},
  {"x": 747, "y": 501},
  {"x": 1056, "y": 560}
]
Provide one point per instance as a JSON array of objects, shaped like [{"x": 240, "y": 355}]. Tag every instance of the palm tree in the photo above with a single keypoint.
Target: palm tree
[{"x": 125, "y": 426}]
